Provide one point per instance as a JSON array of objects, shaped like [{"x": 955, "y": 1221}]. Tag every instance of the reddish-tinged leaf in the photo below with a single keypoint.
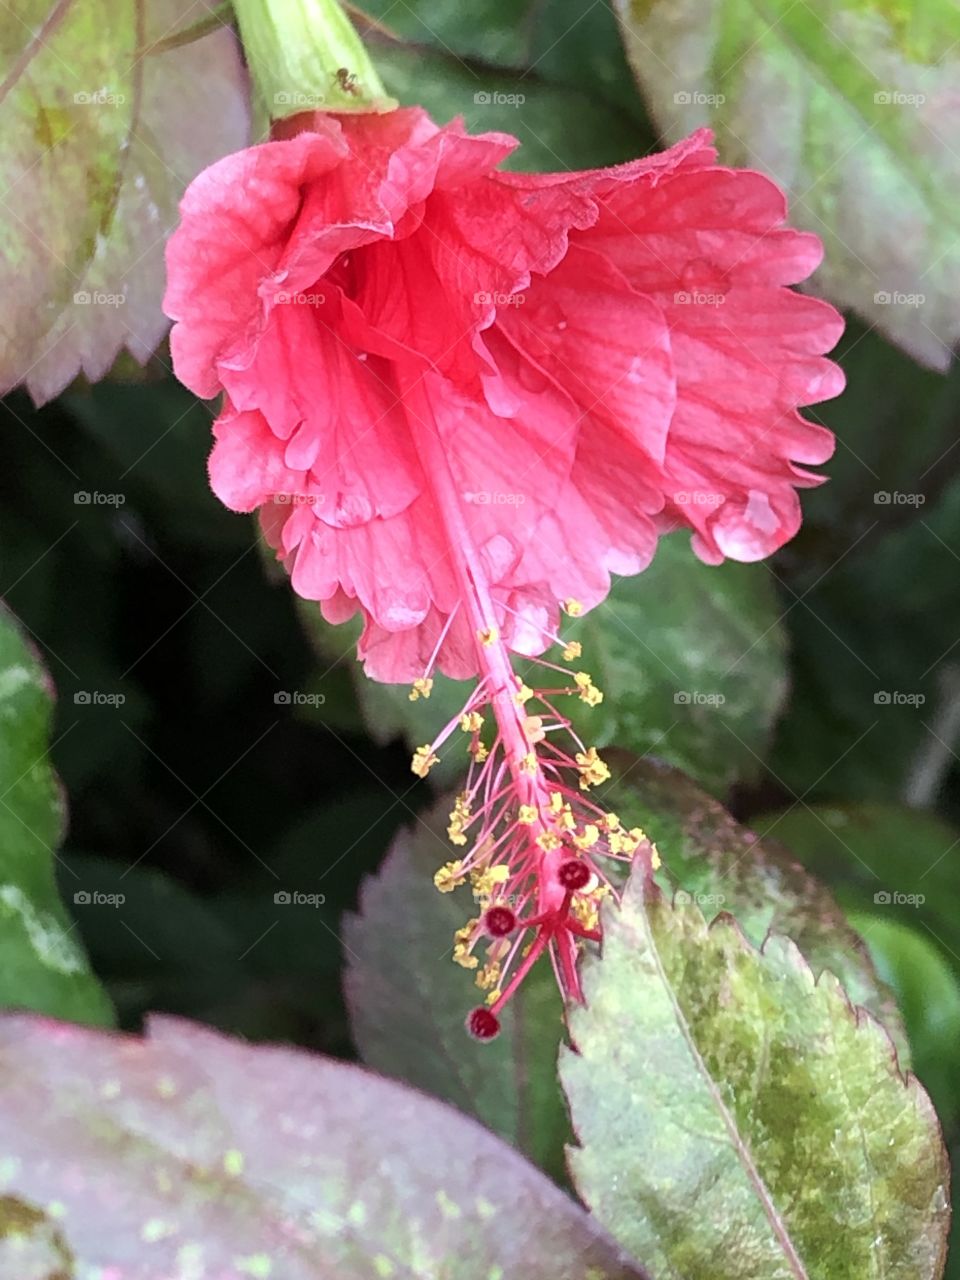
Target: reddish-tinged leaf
[
  {"x": 187, "y": 1154},
  {"x": 100, "y": 141}
]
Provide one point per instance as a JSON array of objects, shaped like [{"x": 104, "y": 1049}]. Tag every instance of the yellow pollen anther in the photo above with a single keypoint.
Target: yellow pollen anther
[
  {"x": 494, "y": 995},
  {"x": 572, "y": 649},
  {"x": 626, "y": 841},
  {"x": 527, "y": 815},
  {"x": 533, "y": 728},
  {"x": 488, "y": 976},
  {"x": 588, "y": 691},
  {"x": 592, "y": 769},
  {"x": 589, "y": 837},
  {"x": 523, "y": 694},
  {"x": 572, "y": 608},
  {"x": 421, "y": 688},
  {"x": 450, "y": 876},
  {"x": 611, "y": 822},
  {"x": 655, "y": 860},
  {"x": 423, "y": 761},
  {"x": 465, "y": 933},
  {"x": 529, "y": 764},
  {"x": 459, "y": 816},
  {"x": 485, "y": 882},
  {"x": 471, "y": 722},
  {"x": 463, "y": 958},
  {"x": 478, "y": 751},
  {"x": 548, "y": 841},
  {"x": 489, "y": 636},
  {"x": 556, "y": 802}
]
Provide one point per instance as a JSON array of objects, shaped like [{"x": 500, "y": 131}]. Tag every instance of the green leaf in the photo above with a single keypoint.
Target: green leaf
[
  {"x": 186, "y": 1153},
  {"x": 778, "y": 1137},
  {"x": 690, "y": 659},
  {"x": 404, "y": 993},
  {"x": 928, "y": 994},
  {"x": 100, "y": 142},
  {"x": 559, "y": 128},
  {"x": 883, "y": 858},
  {"x": 42, "y": 965},
  {"x": 850, "y": 106},
  {"x": 726, "y": 867}
]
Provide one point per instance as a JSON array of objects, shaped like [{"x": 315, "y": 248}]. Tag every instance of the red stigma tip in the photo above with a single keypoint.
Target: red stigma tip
[
  {"x": 499, "y": 921},
  {"x": 573, "y": 874},
  {"x": 482, "y": 1024}
]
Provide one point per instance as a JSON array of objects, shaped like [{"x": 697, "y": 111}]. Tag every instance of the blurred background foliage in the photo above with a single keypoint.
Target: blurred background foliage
[{"x": 818, "y": 695}]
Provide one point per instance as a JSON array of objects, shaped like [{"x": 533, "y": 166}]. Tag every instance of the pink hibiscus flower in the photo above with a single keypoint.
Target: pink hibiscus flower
[{"x": 460, "y": 396}]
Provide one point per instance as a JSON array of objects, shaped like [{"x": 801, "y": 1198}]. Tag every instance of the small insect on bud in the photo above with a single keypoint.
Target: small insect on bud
[
  {"x": 573, "y": 874},
  {"x": 499, "y": 921},
  {"x": 482, "y": 1024}
]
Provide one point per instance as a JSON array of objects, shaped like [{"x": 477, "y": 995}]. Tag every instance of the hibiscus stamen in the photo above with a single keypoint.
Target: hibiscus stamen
[{"x": 536, "y": 838}]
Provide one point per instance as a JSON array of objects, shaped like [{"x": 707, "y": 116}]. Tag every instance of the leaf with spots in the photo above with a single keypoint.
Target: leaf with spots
[
  {"x": 42, "y": 965},
  {"x": 408, "y": 1002},
  {"x": 779, "y": 1139},
  {"x": 101, "y": 137},
  {"x": 189, "y": 1154},
  {"x": 851, "y": 106},
  {"x": 727, "y": 867}
]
